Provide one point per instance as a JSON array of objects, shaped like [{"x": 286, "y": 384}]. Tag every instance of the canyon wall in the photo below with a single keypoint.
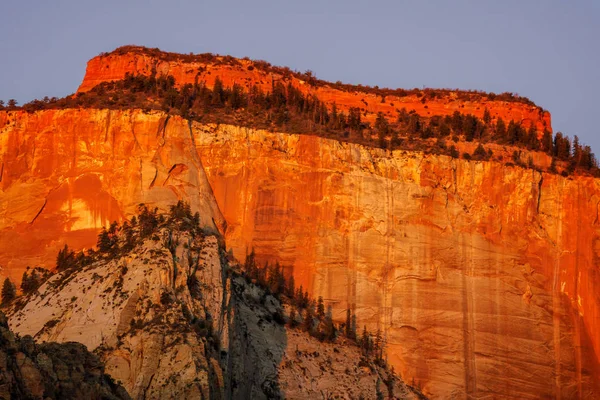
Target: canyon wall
[
  {"x": 66, "y": 173},
  {"x": 114, "y": 66},
  {"x": 483, "y": 277}
]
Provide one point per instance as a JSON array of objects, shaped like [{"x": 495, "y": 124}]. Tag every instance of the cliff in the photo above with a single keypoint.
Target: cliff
[
  {"x": 51, "y": 370},
  {"x": 170, "y": 319},
  {"x": 66, "y": 173},
  {"x": 469, "y": 268},
  {"x": 247, "y": 73},
  {"x": 482, "y": 276}
]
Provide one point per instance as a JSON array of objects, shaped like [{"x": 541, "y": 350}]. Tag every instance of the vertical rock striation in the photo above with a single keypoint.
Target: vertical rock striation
[{"x": 482, "y": 276}]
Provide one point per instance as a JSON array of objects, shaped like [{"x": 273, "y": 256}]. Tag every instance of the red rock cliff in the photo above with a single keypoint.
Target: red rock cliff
[
  {"x": 483, "y": 277},
  {"x": 66, "y": 173},
  {"x": 115, "y": 65}
]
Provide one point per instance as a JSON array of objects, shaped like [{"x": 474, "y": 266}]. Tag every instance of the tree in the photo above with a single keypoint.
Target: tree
[
  {"x": 27, "y": 282},
  {"x": 309, "y": 318},
  {"x": 104, "y": 242},
  {"x": 250, "y": 265},
  {"x": 348, "y": 326},
  {"x": 354, "y": 121},
  {"x": 65, "y": 259},
  {"x": 378, "y": 391},
  {"x": 480, "y": 153},
  {"x": 500, "y": 129},
  {"x": 291, "y": 287},
  {"x": 382, "y": 127},
  {"x": 293, "y": 322},
  {"x": 487, "y": 117},
  {"x": 547, "y": 142},
  {"x": 8, "y": 292},
  {"x": 576, "y": 151},
  {"x": 329, "y": 331},
  {"x": 12, "y": 103},
  {"x": 562, "y": 146},
  {"x": 453, "y": 152},
  {"x": 364, "y": 341},
  {"x": 320, "y": 308},
  {"x": 378, "y": 345}
]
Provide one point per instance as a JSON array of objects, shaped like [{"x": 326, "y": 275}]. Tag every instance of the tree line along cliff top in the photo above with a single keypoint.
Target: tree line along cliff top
[
  {"x": 309, "y": 77},
  {"x": 210, "y": 93}
]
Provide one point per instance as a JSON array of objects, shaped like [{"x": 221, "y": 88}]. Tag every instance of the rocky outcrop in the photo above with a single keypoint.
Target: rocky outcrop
[
  {"x": 482, "y": 276},
  {"x": 171, "y": 319},
  {"x": 189, "y": 69},
  {"x": 66, "y": 173},
  {"x": 268, "y": 361},
  {"x": 51, "y": 370},
  {"x": 137, "y": 312}
]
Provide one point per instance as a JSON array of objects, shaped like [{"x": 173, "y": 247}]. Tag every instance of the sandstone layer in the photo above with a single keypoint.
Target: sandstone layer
[
  {"x": 66, "y": 173},
  {"x": 114, "y": 66},
  {"x": 483, "y": 276}
]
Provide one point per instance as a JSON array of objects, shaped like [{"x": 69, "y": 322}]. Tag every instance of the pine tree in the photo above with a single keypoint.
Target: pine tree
[
  {"x": 290, "y": 288},
  {"x": 65, "y": 259},
  {"x": 329, "y": 331},
  {"x": 28, "y": 282},
  {"x": 365, "y": 340},
  {"x": 104, "y": 242},
  {"x": 250, "y": 265},
  {"x": 382, "y": 128},
  {"x": 320, "y": 308},
  {"x": 378, "y": 345},
  {"x": 547, "y": 142},
  {"x": 293, "y": 322},
  {"x": 500, "y": 129},
  {"x": 487, "y": 117},
  {"x": 8, "y": 292},
  {"x": 348, "y": 326},
  {"x": 309, "y": 318},
  {"x": 380, "y": 395}
]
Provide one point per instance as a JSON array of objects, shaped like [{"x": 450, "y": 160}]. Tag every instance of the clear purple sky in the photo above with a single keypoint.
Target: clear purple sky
[{"x": 548, "y": 51}]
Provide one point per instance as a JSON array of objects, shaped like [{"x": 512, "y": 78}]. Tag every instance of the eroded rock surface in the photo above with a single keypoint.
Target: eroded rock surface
[
  {"x": 483, "y": 276},
  {"x": 51, "y": 370},
  {"x": 66, "y": 173}
]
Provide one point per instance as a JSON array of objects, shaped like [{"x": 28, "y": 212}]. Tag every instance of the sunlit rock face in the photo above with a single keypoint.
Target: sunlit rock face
[
  {"x": 66, "y": 173},
  {"x": 482, "y": 276},
  {"x": 114, "y": 66}
]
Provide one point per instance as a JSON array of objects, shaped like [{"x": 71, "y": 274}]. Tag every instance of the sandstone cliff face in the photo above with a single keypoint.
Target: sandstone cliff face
[
  {"x": 66, "y": 173},
  {"x": 114, "y": 66},
  {"x": 483, "y": 277}
]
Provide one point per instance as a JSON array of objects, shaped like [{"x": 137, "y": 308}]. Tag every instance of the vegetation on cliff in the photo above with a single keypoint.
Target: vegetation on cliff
[
  {"x": 287, "y": 109},
  {"x": 263, "y": 303},
  {"x": 311, "y": 79}
]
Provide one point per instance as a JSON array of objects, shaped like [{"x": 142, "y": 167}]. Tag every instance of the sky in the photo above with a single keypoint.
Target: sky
[{"x": 547, "y": 50}]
